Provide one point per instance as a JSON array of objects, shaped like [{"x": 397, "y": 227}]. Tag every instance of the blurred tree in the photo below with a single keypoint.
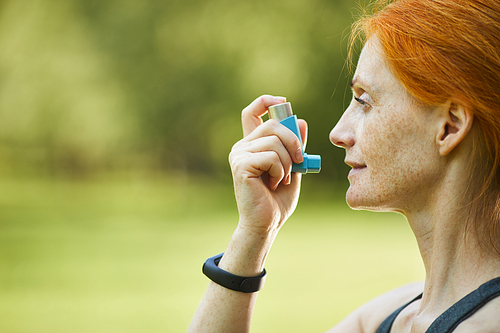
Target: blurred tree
[
  {"x": 61, "y": 106},
  {"x": 89, "y": 85}
]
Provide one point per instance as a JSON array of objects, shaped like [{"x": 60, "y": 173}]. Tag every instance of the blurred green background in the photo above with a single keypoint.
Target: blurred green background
[{"x": 116, "y": 119}]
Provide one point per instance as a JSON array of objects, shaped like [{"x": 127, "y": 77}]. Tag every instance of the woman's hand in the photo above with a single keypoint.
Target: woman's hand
[
  {"x": 267, "y": 193},
  {"x": 266, "y": 190}
]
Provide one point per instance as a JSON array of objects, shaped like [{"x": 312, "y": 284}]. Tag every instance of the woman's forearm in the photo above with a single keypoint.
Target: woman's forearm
[{"x": 225, "y": 310}]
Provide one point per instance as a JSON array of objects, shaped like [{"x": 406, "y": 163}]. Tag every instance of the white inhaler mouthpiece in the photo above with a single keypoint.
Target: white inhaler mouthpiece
[{"x": 283, "y": 113}]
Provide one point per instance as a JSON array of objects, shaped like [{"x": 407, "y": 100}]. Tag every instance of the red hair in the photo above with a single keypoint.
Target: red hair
[{"x": 444, "y": 50}]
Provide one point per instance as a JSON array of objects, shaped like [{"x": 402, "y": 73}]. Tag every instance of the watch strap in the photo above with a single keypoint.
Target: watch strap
[{"x": 230, "y": 281}]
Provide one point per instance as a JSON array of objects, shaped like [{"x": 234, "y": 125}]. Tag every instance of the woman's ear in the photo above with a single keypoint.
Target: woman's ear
[{"x": 455, "y": 125}]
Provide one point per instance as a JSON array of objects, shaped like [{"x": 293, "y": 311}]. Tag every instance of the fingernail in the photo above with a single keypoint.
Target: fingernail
[
  {"x": 298, "y": 156},
  {"x": 279, "y": 99}
]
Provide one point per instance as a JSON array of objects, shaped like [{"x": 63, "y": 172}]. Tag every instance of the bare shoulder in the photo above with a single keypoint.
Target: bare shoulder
[
  {"x": 367, "y": 318},
  {"x": 486, "y": 320}
]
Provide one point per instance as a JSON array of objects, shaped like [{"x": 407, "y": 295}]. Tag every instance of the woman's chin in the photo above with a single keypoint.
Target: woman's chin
[
  {"x": 359, "y": 201},
  {"x": 353, "y": 199}
]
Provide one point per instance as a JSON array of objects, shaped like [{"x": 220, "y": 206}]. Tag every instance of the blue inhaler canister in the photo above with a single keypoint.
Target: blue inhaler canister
[{"x": 283, "y": 113}]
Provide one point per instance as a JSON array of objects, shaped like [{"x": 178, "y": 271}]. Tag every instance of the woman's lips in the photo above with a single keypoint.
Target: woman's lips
[
  {"x": 356, "y": 167},
  {"x": 355, "y": 170}
]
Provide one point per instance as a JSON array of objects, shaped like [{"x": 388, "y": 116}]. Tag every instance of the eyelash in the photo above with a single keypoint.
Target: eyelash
[{"x": 359, "y": 100}]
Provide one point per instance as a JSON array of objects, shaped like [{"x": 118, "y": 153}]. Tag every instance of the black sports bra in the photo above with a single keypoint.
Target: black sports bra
[{"x": 457, "y": 313}]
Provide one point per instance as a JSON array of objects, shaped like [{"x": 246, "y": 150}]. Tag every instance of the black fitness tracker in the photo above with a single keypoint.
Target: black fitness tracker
[{"x": 231, "y": 281}]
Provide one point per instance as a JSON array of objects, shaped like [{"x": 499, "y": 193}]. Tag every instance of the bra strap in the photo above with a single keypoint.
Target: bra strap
[
  {"x": 386, "y": 325},
  {"x": 466, "y": 307}
]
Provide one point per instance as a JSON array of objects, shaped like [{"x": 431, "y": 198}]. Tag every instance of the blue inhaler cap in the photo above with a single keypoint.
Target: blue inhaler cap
[{"x": 283, "y": 113}]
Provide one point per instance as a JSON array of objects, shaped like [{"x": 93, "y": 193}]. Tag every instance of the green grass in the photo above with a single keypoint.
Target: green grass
[{"x": 124, "y": 254}]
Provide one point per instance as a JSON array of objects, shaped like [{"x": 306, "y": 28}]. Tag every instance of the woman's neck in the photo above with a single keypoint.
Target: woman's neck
[{"x": 455, "y": 263}]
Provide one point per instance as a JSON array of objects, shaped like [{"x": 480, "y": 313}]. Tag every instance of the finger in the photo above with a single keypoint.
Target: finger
[
  {"x": 272, "y": 164},
  {"x": 288, "y": 139},
  {"x": 265, "y": 164},
  {"x": 273, "y": 143},
  {"x": 251, "y": 115},
  {"x": 303, "y": 131}
]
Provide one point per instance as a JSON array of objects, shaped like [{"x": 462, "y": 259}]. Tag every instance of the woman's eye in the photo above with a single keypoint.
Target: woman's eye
[{"x": 359, "y": 100}]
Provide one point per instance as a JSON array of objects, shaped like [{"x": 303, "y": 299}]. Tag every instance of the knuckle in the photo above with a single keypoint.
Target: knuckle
[
  {"x": 244, "y": 112},
  {"x": 262, "y": 98},
  {"x": 235, "y": 151},
  {"x": 238, "y": 165},
  {"x": 275, "y": 140},
  {"x": 272, "y": 122},
  {"x": 235, "y": 148},
  {"x": 231, "y": 157},
  {"x": 275, "y": 157}
]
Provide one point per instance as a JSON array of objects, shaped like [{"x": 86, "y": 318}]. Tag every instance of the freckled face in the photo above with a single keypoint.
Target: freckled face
[{"x": 390, "y": 140}]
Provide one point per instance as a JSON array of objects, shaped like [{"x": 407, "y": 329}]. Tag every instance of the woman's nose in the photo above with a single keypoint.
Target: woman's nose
[{"x": 342, "y": 135}]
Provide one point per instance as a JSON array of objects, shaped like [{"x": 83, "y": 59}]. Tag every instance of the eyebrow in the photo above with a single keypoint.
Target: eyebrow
[
  {"x": 355, "y": 80},
  {"x": 364, "y": 85}
]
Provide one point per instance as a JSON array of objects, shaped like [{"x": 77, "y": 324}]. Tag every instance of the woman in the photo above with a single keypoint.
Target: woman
[{"x": 422, "y": 135}]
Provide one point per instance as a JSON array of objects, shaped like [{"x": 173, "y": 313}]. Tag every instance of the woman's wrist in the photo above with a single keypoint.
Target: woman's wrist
[{"x": 247, "y": 252}]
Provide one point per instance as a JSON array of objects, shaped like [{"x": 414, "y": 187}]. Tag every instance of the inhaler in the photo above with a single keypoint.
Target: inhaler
[{"x": 283, "y": 113}]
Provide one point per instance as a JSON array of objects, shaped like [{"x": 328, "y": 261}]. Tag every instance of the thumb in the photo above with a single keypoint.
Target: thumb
[{"x": 303, "y": 131}]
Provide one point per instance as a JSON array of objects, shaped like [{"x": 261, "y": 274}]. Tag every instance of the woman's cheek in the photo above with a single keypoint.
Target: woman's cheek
[{"x": 382, "y": 149}]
